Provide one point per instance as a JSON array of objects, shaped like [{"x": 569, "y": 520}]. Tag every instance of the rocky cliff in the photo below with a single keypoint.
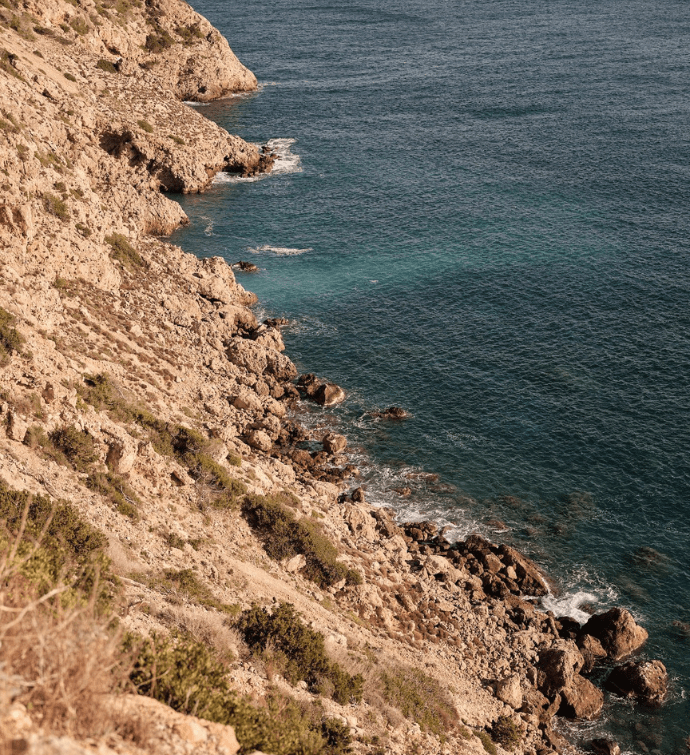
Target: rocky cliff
[{"x": 161, "y": 511}]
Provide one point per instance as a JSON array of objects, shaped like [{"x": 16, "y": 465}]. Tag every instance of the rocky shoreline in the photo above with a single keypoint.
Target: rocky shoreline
[{"x": 137, "y": 384}]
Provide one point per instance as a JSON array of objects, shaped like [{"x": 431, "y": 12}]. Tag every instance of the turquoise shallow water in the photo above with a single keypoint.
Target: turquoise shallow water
[{"x": 483, "y": 218}]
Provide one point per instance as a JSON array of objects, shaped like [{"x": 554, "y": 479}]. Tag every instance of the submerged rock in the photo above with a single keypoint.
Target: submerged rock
[{"x": 393, "y": 412}]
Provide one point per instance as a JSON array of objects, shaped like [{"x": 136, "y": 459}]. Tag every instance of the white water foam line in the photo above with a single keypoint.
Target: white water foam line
[{"x": 281, "y": 251}]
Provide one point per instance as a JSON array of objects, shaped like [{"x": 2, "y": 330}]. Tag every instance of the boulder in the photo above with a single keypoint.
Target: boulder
[
  {"x": 617, "y": 632},
  {"x": 647, "y": 681},
  {"x": 509, "y": 691},
  {"x": 581, "y": 699},
  {"x": 605, "y": 747},
  {"x": 329, "y": 394},
  {"x": 334, "y": 443},
  {"x": 246, "y": 267},
  {"x": 259, "y": 440},
  {"x": 529, "y": 578},
  {"x": 308, "y": 384},
  {"x": 592, "y": 651},
  {"x": 358, "y": 495},
  {"x": 248, "y": 401},
  {"x": 557, "y": 668}
]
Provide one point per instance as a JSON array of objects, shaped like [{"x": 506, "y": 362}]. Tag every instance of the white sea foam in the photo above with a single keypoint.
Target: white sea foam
[
  {"x": 286, "y": 162},
  {"x": 282, "y": 251},
  {"x": 582, "y": 587},
  {"x": 208, "y": 229},
  {"x": 191, "y": 103}
]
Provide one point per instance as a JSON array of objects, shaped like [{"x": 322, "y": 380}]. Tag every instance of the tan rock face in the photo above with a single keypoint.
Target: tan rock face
[{"x": 617, "y": 632}]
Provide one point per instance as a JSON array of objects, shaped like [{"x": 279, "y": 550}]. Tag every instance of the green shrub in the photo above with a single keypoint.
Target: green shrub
[
  {"x": 506, "y": 733},
  {"x": 55, "y": 206},
  {"x": 10, "y": 340},
  {"x": 83, "y": 229},
  {"x": 69, "y": 549},
  {"x": 69, "y": 76},
  {"x": 225, "y": 491},
  {"x": 487, "y": 743},
  {"x": 159, "y": 41},
  {"x": 420, "y": 698},
  {"x": 189, "y": 33},
  {"x": 106, "y": 65},
  {"x": 177, "y": 140},
  {"x": 114, "y": 488},
  {"x": 79, "y": 25},
  {"x": 145, "y": 126},
  {"x": 123, "y": 251},
  {"x": 73, "y": 446},
  {"x": 284, "y": 536},
  {"x": 182, "y": 673},
  {"x": 298, "y": 650}
]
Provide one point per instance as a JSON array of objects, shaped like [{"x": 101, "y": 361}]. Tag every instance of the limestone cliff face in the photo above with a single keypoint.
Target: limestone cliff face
[
  {"x": 191, "y": 58},
  {"x": 87, "y": 147}
]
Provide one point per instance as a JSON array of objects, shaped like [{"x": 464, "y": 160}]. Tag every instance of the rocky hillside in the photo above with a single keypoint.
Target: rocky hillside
[{"x": 166, "y": 530}]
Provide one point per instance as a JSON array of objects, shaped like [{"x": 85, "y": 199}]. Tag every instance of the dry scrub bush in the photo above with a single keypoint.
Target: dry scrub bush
[
  {"x": 55, "y": 660},
  {"x": 208, "y": 627}
]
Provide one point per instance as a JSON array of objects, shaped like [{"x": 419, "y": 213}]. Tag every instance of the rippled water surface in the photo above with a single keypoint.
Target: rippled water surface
[{"x": 481, "y": 214}]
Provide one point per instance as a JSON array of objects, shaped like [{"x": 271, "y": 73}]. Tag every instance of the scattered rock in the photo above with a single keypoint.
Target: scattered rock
[
  {"x": 329, "y": 394},
  {"x": 581, "y": 699},
  {"x": 334, "y": 443},
  {"x": 605, "y": 747},
  {"x": 246, "y": 267},
  {"x": 617, "y": 632},
  {"x": 509, "y": 691},
  {"x": 647, "y": 681},
  {"x": 558, "y": 667},
  {"x": 393, "y": 412},
  {"x": 259, "y": 440}
]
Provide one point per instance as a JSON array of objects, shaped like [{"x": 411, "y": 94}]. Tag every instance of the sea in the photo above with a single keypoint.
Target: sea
[{"x": 481, "y": 213}]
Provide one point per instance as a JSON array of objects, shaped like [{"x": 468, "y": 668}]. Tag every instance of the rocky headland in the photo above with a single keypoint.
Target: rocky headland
[{"x": 166, "y": 531}]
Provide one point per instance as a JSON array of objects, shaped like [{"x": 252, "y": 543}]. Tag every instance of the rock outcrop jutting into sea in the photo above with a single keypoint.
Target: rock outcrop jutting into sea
[{"x": 166, "y": 530}]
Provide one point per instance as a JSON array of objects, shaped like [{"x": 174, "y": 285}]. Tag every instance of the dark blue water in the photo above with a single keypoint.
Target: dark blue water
[{"x": 488, "y": 225}]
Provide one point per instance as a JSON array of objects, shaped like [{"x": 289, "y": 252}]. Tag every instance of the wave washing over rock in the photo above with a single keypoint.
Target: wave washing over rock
[{"x": 170, "y": 529}]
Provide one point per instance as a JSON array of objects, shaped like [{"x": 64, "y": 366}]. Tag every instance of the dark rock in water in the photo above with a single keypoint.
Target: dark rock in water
[
  {"x": 393, "y": 412},
  {"x": 329, "y": 394},
  {"x": 497, "y": 524},
  {"x": 276, "y": 322},
  {"x": 649, "y": 558},
  {"x": 647, "y": 681},
  {"x": 358, "y": 495},
  {"x": 681, "y": 629},
  {"x": 308, "y": 384},
  {"x": 246, "y": 267},
  {"x": 403, "y": 492},
  {"x": 617, "y": 631},
  {"x": 568, "y": 628},
  {"x": 581, "y": 699},
  {"x": 424, "y": 476},
  {"x": 592, "y": 651},
  {"x": 334, "y": 443},
  {"x": 605, "y": 747}
]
